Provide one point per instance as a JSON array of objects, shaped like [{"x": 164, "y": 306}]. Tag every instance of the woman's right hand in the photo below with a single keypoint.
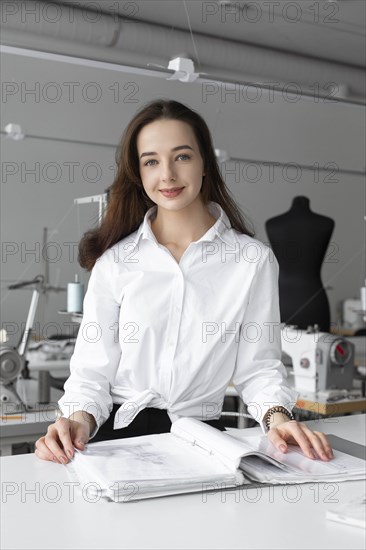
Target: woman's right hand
[{"x": 63, "y": 435}]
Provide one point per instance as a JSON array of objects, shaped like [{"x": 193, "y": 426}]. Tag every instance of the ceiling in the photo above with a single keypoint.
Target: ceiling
[{"x": 322, "y": 29}]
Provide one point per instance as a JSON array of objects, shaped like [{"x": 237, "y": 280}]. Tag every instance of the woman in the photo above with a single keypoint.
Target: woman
[{"x": 181, "y": 300}]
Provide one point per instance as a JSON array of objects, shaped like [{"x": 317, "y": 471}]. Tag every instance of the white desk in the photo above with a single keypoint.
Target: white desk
[{"x": 271, "y": 517}]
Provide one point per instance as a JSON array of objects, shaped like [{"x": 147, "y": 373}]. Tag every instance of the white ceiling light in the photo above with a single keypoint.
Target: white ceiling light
[
  {"x": 184, "y": 68},
  {"x": 14, "y": 131}
]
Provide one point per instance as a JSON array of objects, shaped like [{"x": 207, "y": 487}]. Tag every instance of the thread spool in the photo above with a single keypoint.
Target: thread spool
[
  {"x": 75, "y": 296},
  {"x": 363, "y": 297}
]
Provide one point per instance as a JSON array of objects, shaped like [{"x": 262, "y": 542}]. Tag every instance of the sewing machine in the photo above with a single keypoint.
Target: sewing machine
[
  {"x": 12, "y": 359},
  {"x": 321, "y": 361}
]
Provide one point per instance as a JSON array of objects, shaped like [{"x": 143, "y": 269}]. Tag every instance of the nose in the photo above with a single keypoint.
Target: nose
[{"x": 167, "y": 172}]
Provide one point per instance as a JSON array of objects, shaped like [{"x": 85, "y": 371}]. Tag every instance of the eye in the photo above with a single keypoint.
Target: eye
[
  {"x": 147, "y": 163},
  {"x": 183, "y": 155}
]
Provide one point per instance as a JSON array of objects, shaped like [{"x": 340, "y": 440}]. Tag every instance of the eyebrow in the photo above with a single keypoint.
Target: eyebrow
[{"x": 178, "y": 148}]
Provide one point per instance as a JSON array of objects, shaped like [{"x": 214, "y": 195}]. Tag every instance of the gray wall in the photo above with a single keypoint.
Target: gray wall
[{"x": 303, "y": 132}]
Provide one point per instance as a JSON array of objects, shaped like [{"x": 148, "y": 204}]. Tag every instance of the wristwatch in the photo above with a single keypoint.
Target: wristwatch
[{"x": 270, "y": 412}]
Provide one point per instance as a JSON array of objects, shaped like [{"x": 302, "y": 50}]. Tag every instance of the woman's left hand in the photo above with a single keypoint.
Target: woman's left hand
[{"x": 297, "y": 433}]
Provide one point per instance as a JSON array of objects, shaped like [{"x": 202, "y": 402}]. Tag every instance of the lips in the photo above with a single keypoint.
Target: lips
[{"x": 172, "y": 193}]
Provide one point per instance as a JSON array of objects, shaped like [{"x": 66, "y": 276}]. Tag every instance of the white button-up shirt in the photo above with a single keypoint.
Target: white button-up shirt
[{"x": 169, "y": 335}]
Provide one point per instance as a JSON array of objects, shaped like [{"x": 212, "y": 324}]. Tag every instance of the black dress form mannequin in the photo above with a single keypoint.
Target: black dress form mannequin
[{"x": 299, "y": 240}]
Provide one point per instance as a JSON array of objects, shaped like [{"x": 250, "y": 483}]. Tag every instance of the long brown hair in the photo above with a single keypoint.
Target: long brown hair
[{"x": 127, "y": 199}]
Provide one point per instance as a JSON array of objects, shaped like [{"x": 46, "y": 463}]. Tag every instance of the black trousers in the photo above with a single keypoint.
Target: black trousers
[{"x": 148, "y": 421}]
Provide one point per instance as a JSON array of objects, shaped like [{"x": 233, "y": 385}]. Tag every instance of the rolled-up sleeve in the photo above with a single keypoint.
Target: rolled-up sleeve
[
  {"x": 260, "y": 377},
  {"x": 97, "y": 352}
]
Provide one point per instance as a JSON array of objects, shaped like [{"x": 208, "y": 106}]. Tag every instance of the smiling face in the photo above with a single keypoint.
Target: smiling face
[{"x": 169, "y": 158}]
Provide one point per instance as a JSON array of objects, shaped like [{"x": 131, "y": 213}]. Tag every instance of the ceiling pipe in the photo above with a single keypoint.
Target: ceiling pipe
[{"x": 108, "y": 37}]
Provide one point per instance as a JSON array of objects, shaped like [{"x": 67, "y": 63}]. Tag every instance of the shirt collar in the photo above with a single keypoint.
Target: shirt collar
[{"x": 222, "y": 227}]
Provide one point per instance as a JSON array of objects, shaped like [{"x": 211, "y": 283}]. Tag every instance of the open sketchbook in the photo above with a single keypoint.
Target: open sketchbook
[{"x": 196, "y": 457}]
